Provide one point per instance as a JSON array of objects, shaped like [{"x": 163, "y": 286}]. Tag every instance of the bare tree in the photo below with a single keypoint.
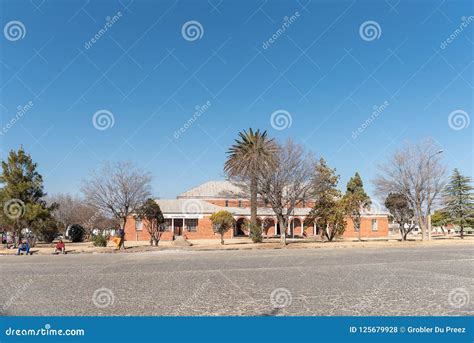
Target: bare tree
[
  {"x": 288, "y": 184},
  {"x": 75, "y": 210},
  {"x": 416, "y": 172},
  {"x": 118, "y": 189},
  {"x": 66, "y": 212}
]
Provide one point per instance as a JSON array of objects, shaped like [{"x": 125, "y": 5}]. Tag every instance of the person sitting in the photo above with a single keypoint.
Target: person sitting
[
  {"x": 60, "y": 247},
  {"x": 24, "y": 246}
]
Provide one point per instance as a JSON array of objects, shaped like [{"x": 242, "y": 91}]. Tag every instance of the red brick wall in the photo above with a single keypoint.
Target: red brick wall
[
  {"x": 204, "y": 231},
  {"x": 366, "y": 227},
  {"x": 246, "y": 203}
]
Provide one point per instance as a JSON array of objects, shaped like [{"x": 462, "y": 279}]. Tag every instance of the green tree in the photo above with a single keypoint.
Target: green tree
[
  {"x": 459, "y": 199},
  {"x": 329, "y": 209},
  {"x": 440, "y": 218},
  {"x": 247, "y": 157},
  {"x": 22, "y": 194},
  {"x": 222, "y": 221},
  {"x": 151, "y": 213},
  {"x": 76, "y": 233},
  {"x": 356, "y": 200},
  {"x": 402, "y": 213}
]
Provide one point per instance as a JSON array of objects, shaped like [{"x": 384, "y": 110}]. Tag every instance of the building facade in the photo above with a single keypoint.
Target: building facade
[{"x": 189, "y": 216}]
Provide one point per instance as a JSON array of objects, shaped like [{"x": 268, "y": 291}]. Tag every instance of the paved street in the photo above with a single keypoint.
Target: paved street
[{"x": 391, "y": 281}]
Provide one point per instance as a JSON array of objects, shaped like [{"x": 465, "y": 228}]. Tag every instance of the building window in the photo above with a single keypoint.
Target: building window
[
  {"x": 191, "y": 225},
  {"x": 138, "y": 225},
  {"x": 375, "y": 226},
  {"x": 227, "y": 203}
]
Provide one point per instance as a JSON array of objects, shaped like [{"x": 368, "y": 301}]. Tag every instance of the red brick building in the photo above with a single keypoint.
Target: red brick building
[{"x": 188, "y": 216}]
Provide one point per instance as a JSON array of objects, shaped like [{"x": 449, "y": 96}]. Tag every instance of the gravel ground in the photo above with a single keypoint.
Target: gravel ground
[{"x": 430, "y": 280}]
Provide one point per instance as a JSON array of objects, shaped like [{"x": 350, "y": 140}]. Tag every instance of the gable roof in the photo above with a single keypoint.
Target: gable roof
[{"x": 215, "y": 190}]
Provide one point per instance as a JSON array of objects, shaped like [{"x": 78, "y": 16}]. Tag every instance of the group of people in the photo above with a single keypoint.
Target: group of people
[
  {"x": 24, "y": 247},
  {"x": 60, "y": 247}
]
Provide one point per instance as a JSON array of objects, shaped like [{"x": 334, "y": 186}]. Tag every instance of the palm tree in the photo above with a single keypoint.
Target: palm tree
[{"x": 248, "y": 156}]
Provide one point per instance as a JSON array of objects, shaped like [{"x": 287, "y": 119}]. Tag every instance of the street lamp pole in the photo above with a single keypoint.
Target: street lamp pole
[{"x": 428, "y": 219}]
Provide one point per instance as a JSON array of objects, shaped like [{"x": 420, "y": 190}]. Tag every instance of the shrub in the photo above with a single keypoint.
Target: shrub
[
  {"x": 76, "y": 233},
  {"x": 100, "y": 240},
  {"x": 47, "y": 231},
  {"x": 255, "y": 232}
]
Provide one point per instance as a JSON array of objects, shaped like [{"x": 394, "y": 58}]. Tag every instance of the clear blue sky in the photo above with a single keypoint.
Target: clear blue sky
[{"x": 319, "y": 69}]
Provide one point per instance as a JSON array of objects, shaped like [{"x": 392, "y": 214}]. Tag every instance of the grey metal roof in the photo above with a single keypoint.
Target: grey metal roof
[
  {"x": 216, "y": 189},
  {"x": 190, "y": 206}
]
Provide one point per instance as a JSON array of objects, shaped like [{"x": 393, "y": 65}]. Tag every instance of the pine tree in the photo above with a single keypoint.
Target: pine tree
[
  {"x": 458, "y": 200},
  {"x": 329, "y": 209},
  {"x": 22, "y": 194},
  {"x": 356, "y": 200}
]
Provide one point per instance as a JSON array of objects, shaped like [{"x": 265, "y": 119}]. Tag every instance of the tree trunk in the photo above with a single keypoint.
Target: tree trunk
[
  {"x": 253, "y": 200},
  {"x": 421, "y": 224},
  {"x": 404, "y": 236},
  {"x": 358, "y": 227},
  {"x": 222, "y": 238},
  {"x": 281, "y": 222},
  {"x": 462, "y": 232}
]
